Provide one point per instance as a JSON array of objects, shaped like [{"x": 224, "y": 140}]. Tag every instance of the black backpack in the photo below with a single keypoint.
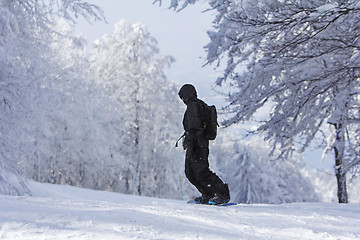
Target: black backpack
[{"x": 209, "y": 117}]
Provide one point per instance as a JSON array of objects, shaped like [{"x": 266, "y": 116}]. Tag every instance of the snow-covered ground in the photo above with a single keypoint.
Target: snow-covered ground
[{"x": 63, "y": 212}]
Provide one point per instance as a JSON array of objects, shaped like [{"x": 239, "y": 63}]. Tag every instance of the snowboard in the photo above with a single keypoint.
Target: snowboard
[{"x": 221, "y": 205}]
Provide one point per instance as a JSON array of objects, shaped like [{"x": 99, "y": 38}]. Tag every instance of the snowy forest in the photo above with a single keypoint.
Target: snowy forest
[{"x": 107, "y": 117}]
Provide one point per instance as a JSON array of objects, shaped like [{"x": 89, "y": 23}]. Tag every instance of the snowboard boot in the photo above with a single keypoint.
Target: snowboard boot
[
  {"x": 221, "y": 198},
  {"x": 203, "y": 199}
]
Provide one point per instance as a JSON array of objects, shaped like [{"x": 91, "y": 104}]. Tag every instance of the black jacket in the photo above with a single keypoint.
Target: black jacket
[{"x": 192, "y": 122}]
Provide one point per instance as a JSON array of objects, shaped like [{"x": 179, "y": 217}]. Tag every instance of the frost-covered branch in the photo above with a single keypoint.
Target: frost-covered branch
[
  {"x": 174, "y": 4},
  {"x": 41, "y": 12}
]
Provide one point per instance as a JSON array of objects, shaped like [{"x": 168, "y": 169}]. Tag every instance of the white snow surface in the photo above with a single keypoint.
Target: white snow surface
[{"x": 64, "y": 212}]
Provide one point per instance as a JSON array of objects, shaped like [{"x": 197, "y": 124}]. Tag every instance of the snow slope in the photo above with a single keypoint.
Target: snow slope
[{"x": 63, "y": 212}]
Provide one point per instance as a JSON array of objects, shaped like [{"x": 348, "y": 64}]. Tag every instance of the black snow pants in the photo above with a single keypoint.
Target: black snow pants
[{"x": 197, "y": 169}]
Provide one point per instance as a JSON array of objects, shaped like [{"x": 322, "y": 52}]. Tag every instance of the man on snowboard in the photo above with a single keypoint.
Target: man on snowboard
[{"x": 197, "y": 171}]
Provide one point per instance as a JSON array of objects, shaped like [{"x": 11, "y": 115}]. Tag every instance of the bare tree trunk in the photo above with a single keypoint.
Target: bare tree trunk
[
  {"x": 137, "y": 140},
  {"x": 339, "y": 147}
]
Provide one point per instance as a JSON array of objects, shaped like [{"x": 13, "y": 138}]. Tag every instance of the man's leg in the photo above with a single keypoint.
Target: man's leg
[
  {"x": 190, "y": 172},
  {"x": 205, "y": 176}
]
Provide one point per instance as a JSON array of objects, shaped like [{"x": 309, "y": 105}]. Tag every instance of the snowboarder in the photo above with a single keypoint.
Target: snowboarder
[{"x": 197, "y": 171}]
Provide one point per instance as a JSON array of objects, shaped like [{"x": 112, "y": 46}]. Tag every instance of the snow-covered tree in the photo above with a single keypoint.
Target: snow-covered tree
[
  {"x": 74, "y": 135},
  {"x": 127, "y": 64},
  {"x": 62, "y": 123},
  {"x": 302, "y": 58},
  {"x": 25, "y": 63}
]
